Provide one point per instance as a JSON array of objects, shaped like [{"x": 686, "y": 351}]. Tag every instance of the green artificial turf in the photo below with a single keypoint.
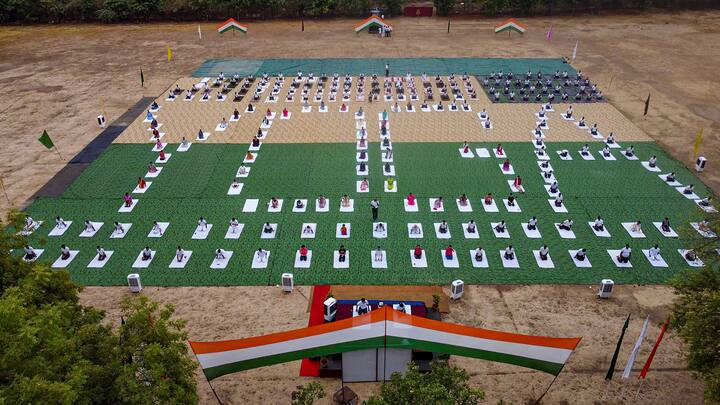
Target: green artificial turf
[{"x": 195, "y": 183}]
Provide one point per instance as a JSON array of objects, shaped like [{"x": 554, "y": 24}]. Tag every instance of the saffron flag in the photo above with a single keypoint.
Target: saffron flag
[
  {"x": 169, "y": 54},
  {"x": 611, "y": 370},
  {"x": 646, "y": 367},
  {"x": 549, "y": 33},
  {"x": 199, "y": 32},
  {"x": 383, "y": 328},
  {"x": 45, "y": 140},
  {"x": 142, "y": 78},
  {"x": 647, "y": 104},
  {"x": 636, "y": 348},
  {"x": 698, "y": 139},
  {"x": 575, "y": 50}
]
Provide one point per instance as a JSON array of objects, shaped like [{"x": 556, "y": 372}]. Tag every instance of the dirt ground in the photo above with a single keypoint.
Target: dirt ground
[
  {"x": 60, "y": 78},
  {"x": 567, "y": 311}
]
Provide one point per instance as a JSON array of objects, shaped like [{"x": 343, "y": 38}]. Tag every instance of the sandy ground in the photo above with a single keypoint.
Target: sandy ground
[
  {"x": 60, "y": 78},
  {"x": 510, "y": 122},
  {"x": 226, "y": 313}
]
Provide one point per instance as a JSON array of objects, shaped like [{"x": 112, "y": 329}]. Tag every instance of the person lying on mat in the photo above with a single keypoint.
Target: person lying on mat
[
  {"x": 267, "y": 228},
  {"x": 146, "y": 254},
  {"x": 509, "y": 253},
  {"x": 342, "y": 254},
  {"x": 501, "y": 227},
  {"x": 581, "y": 254}
]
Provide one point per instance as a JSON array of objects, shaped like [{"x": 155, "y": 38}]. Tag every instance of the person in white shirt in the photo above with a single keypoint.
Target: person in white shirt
[
  {"x": 378, "y": 255},
  {"x": 202, "y": 224},
  {"x": 380, "y": 227},
  {"x": 624, "y": 256},
  {"x": 532, "y": 224},
  {"x": 652, "y": 162},
  {"x": 156, "y": 229},
  {"x": 566, "y": 225},
  {"x": 119, "y": 230},
  {"x": 636, "y": 227},
  {"x": 415, "y": 230},
  {"x": 261, "y": 255},
  {"x": 471, "y": 228},
  {"x": 585, "y": 151},
  {"x": 654, "y": 253},
  {"x": 234, "y": 225},
  {"x": 30, "y": 224},
  {"x": 220, "y": 254},
  {"x": 558, "y": 200},
  {"x": 500, "y": 227},
  {"x": 362, "y": 306},
  {"x": 102, "y": 255},
  {"x": 60, "y": 223},
  {"x": 89, "y": 227},
  {"x": 64, "y": 252},
  {"x": 544, "y": 252},
  {"x": 179, "y": 254},
  {"x": 146, "y": 254},
  {"x": 599, "y": 224},
  {"x": 581, "y": 254},
  {"x": 479, "y": 254},
  {"x": 509, "y": 253},
  {"x": 30, "y": 254}
]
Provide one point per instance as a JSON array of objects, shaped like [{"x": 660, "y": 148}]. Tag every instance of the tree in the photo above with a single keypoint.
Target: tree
[
  {"x": 54, "y": 349},
  {"x": 308, "y": 393},
  {"x": 444, "y": 384},
  {"x": 444, "y": 7},
  {"x": 157, "y": 369},
  {"x": 695, "y": 313}
]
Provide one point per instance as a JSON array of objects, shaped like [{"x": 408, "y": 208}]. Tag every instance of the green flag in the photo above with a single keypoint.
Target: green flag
[
  {"x": 45, "y": 140},
  {"x": 611, "y": 370},
  {"x": 142, "y": 78}
]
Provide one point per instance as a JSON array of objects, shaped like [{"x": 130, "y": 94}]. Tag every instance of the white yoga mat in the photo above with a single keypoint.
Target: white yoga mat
[
  {"x": 96, "y": 263},
  {"x": 509, "y": 171},
  {"x": 515, "y": 208},
  {"x": 589, "y": 156},
  {"x": 468, "y": 235},
  {"x": 560, "y": 209},
  {"x": 669, "y": 183},
  {"x": 152, "y": 234},
  {"x": 468, "y": 155},
  {"x": 337, "y": 264},
  {"x": 603, "y": 234},
  {"x": 269, "y": 235},
  {"x": 614, "y": 254},
  {"x": 304, "y": 205},
  {"x": 326, "y": 208},
  {"x": 659, "y": 262},
  {"x": 482, "y": 152},
  {"x": 695, "y": 263},
  {"x": 303, "y": 264},
  {"x": 250, "y": 205},
  {"x": 707, "y": 234},
  {"x": 453, "y": 263},
  {"x": 278, "y": 208},
  {"x": 312, "y": 226},
  {"x": 646, "y": 165},
  {"x": 441, "y": 235},
  {"x": 382, "y": 234},
  {"x": 382, "y": 264},
  {"x": 466, "y": 208},
  {"x": 61, "y": 264},
  {"x": 89, "y": 234},
  {"x": 410, "y": 208},
  {"x": 234, "y": 233},
  {"x": 387, "y": 189},
  {"x": 502, "y": 235},
  {"x": 479, "y": 264},
  {"x": 359, "y": 190},
  {"x": 222, "y": 263},
  {"x": 337, "y": 231},
  {"x": 543, "y": 264},
  {"x": 38, "y": 253},
  {"x": 512, "y": 264},
  {"x": 671, "y": 234},
  {"x": 532, "y": 234},
  {"x": 200, "y": 233},
  {"x": 139, "y": 190},
  {"x": 59, "y": 231},
  {"x": 432, "y": 206},
  {"x": 416, "y": 235},
  {"x": 628, "y": 225},
  {"x": 418, "y": 263},
  {"x": 143, "y": 264},
  {"x": 185, "y": 148},
  {"x": 585, "y": 263},
  {"x": 257, "y": 264},
  {"x": 490, "y": 207},
  {"x": 349, "y": 208},
  {"x": 564, "y": 233},
  {"x": 115, "y": 235},
  {"x": 235, "y": 190},
  {"x": 691, "y": 196},
  {"x": 361, "y": 172}
]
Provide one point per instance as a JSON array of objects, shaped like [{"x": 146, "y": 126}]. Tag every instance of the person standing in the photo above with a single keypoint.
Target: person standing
[
  {"x": 375, "y": 206},
  {"x": 387, "y": 70}
]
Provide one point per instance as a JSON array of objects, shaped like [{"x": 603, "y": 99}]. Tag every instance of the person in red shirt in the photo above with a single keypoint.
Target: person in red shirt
[
  {"x": 418, "y": 252},
  {"x": 343, "y": 230},
  {"x": 285, "y": 112},
  {"x": 449, "y": 252},
  {"x": 141, "y": 183},
  {"x": 303, "y": 253},
  {"x": 162, "y": 155}
]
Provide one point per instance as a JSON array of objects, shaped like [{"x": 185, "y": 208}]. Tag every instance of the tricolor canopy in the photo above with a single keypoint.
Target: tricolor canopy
[
  {"x": 382, "y": 328},
  {"x": 231, "y": 24},
  {"x": 373, "y": 21},
  {"x": 511, "y": 25}
]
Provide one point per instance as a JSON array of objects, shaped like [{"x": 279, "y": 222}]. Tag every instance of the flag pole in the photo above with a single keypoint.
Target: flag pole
[
  {"x": 58, "y": 152},
  {"x": 208, "y": 381},
  {"x": 2, "y": 183},
  {"x": 537, "y": 401}
]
